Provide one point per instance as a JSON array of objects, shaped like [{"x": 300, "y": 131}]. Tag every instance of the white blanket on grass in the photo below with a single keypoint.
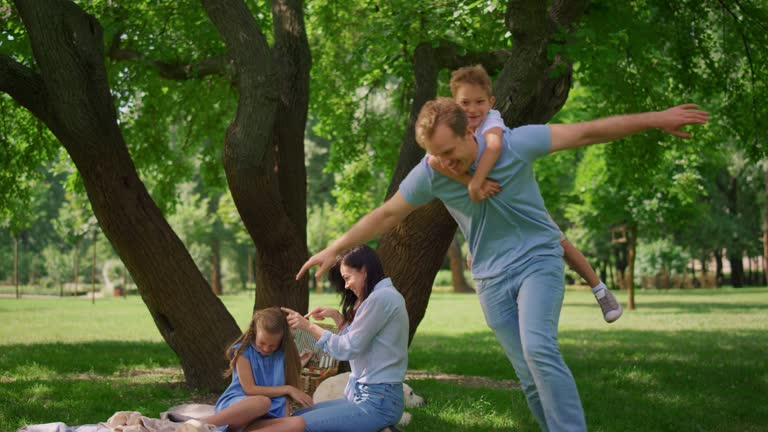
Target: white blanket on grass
[{"x": 126, "y": 421}]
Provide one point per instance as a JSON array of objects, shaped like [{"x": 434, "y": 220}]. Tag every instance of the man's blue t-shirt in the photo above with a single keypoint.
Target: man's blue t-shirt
[{"x": 509, "y": 228}]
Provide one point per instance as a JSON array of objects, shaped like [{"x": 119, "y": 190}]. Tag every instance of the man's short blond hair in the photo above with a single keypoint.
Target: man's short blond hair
[
  {"x": 439, "y": 111},
  {"x": 473, "y": 75}
]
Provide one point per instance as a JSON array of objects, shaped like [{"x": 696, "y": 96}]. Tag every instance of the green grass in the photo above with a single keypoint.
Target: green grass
[{"x": 683, "y": 361}]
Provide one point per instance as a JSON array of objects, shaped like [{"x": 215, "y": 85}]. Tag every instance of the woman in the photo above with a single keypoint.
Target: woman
[{"x": 373, "y": 338}]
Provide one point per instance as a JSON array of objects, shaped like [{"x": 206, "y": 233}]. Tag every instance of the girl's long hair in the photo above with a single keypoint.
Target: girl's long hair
[
  {"x": 358, "y": 258},
  {"x": 272, "y": 321}
]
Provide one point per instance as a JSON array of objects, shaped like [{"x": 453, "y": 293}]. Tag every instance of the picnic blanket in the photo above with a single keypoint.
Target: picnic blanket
[{"x": 127, "y": 421}]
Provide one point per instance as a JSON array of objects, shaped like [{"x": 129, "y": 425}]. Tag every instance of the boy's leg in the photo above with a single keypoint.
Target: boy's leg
[
  {"x": 497, "y": 298},
  {"x": 611, "y": 308},
  {"x": 540, "y": 299}
]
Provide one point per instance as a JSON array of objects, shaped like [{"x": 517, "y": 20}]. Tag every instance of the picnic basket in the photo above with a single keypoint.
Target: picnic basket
[{"x": 321, "y": 365}]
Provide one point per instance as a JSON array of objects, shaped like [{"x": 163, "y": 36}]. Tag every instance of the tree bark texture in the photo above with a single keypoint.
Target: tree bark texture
[
  {"x": 263, "y": 152},
  {"x": 765, "y": 224},
  {"x": 456, "y": 259},
  {"x": 631, "y": 254},
  {"x": 71, "y": 95}
]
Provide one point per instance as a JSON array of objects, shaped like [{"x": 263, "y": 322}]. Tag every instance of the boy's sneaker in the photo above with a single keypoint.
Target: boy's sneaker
[{"x": 611, "y": 308}]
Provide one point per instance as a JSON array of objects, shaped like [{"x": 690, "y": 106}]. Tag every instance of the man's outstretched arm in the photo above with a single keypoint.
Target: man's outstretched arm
[
  {"x": 370, "y": 226},
  {"x": 567, "y": 136}
]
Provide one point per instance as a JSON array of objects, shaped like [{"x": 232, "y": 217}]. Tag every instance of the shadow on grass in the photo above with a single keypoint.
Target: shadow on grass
[
  {"x": 633, "y": 380},
  {"x": 77, "y": 402},
  {"x": 86, "y": 383}
]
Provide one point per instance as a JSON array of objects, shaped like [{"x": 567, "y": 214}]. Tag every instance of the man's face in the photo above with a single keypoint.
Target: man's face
[{"x": 455, "y": 153}]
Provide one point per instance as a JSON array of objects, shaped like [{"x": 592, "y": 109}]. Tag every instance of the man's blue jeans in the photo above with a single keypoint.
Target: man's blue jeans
[{"x": 522, "y": 307}]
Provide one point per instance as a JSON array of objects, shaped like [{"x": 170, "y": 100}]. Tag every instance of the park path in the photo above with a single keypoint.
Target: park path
[{"x": 463, "y": 380}]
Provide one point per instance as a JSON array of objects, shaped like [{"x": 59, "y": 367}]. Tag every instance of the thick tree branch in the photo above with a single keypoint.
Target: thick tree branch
[
  {"x": 533, "y": 86},
  {"x": 451, "y": 56},
  {"x": 527, "y": 21},
  {"x": 292, "y": 58},
  {"x": 565, "y": 13},
  {"x": 25, "y": 86},
  {"x": 266, "y": 204}
]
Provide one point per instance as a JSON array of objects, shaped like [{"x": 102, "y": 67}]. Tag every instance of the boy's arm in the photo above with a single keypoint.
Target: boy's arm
[
  {"x": 462, "y": 178},
  {"x": 493, "y": 143},
  {"x": 372, "y": 225},
  {"x": 567, "y": 136},
  {"x": 486, "y": 188}
]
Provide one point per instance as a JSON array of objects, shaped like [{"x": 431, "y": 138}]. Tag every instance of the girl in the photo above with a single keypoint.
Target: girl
[
  {"x": 374, "y": 338},
  {"x": 265, "y": 366}
]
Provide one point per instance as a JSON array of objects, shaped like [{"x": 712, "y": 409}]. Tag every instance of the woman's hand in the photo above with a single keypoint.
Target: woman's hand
[
  {"x": 295, "y": 319},
  {"x": 321, "y": 313},
  {"x": 300, "y": 397}
]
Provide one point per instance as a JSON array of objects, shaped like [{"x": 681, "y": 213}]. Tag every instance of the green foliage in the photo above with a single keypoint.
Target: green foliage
[
  {"x": 325, "y": 223},
  {"x": 362, "y": 80},
  {"x": 658, "y": 257},
  {"x": 193, "y": 222}
]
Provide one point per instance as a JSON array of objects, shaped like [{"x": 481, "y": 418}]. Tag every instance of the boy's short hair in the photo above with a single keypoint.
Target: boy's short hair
[
  {"x": 474, "y": 75},
  {"x": 442, "y": 110}
]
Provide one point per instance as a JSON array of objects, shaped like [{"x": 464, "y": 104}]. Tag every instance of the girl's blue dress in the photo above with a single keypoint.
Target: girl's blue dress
[{"x": 268, "y": 370}]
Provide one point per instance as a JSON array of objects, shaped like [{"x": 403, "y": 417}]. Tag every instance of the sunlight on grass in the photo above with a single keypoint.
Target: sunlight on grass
[{"x": 690, "y": 360}]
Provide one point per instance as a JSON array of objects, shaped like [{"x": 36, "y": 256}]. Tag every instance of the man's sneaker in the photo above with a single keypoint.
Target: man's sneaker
[{"x": 612, "y": 310}]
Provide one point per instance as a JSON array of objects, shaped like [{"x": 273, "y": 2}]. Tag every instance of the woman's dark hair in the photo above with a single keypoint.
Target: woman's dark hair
[{"x": 358, "y": 258}]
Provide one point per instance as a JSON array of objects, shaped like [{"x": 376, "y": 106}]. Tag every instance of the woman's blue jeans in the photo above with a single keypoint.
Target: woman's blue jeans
[{"x": 372, "y": 407}]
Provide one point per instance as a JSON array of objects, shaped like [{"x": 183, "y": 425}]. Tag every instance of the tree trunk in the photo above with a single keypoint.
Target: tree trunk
[
  {"x": 250, "y": 268},
  {"x": 125, "y": 283},
  {"x": 216, "y": 266},
  {"x": 718, "y": 268},
  {"x": 396, "y": 250},
  {"x": 526, "y": 92},
  {"x": 737, "y": 269},
  {"x": 93, "y": 270},
  {"x": 16, "y": 265},
  {"x": 77, "y": 267},
  {"x": 765, "y": 224},
  {"x": 612, "y": 273},
  {"x": 460, "y": 284},
  {"x": 630, "y": 282},
  {"x": 71, "y": 95},
  {"x": 263, "y": 152},
  {"x": 620, "y": 257}
]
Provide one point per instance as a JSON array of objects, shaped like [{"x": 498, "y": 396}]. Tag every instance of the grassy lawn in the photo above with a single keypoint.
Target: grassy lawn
[{"x": 691, "y": 360}]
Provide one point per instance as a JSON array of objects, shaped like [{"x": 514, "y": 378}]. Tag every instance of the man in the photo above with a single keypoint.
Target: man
[{"x": 517, "y": 257}]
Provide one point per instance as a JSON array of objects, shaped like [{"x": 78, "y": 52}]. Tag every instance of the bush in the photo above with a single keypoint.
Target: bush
[{"x": 660, "y": 264}]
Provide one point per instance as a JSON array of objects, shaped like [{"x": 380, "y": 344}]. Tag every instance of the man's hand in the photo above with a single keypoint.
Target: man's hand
[
  {"x": 671, "y": 120},
  {"x": 325, "y": 259}
]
